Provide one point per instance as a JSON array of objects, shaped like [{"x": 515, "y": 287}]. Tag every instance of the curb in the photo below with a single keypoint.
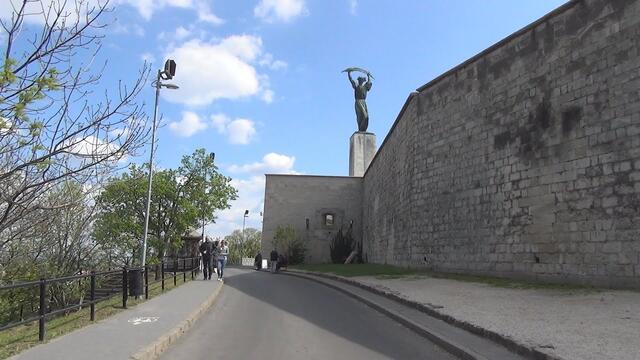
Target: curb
[
  {"x": 505, "y": 341},
  {"x": 452, "y": 347},
  {"x": 153, "y": 350}
]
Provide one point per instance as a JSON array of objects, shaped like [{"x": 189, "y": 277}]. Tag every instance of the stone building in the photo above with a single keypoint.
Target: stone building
[{"x": 522, "y": 162}]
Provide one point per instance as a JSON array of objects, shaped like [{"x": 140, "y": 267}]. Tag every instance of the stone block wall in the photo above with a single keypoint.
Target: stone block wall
[
  {"x": 524, "y": 161},
  {"x": 294, "y": 199},
  {"x": 388, "y": 198}
]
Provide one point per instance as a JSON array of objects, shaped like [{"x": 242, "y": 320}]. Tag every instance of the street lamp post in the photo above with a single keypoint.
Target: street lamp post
[
  {"x": 246, "y": 213},
  {"x": 212, "y": 156},
  {"x": 166, "y": 74}
]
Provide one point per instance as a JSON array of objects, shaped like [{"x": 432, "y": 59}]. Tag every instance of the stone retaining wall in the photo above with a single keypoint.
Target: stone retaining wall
[{"x": 524, "y": 161}]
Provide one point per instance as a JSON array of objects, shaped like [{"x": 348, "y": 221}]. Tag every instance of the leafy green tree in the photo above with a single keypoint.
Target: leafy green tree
[
  {"x": 243, "y": 246},
  {"x": 287, "y": 242},
  {"x": 180, "y": 199}
]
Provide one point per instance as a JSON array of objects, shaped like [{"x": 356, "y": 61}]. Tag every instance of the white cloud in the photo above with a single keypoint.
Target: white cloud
[
  {"x": 210, "y": 71},
  {"x": 268, "y": 61},
  {"x": 267, "y": 96},
  {"x": 272, "y": 163},
  {"x": 130, "y": 29},
  {"x": 36, "y": 11},
  {"x": 120, "y": 132},
  {"x": 278, "y": 64},
  {"x": 91, "y": 148},
  {"x": 238, "y": 131},
  {"x": 246, "y": 47},
  {"x": 280, "y": 10},
  {"x": 148, "y": 57},
  {"x": 182, "y": 33},
  {"x": 241, "y": 131},
  {"x": 146, "y": 8},
  {"x": 353, "y": 6},
  {"x": 189, "y": 125},
  {"x": 250, "y": 197},
  {"x": 206, "y": 15},
  {"x": 179, "y": 34},
  {"x": 220, "y": 122}
]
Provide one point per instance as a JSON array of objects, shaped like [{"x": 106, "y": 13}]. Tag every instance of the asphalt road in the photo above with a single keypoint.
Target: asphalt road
[{"x": 271, "y": 316}]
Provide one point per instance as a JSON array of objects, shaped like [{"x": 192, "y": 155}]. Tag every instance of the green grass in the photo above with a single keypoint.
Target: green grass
[
  {"x": 358, "y": 269},
  {"x": 393, "y": 272},
  {"x": 22, "y": 337}
]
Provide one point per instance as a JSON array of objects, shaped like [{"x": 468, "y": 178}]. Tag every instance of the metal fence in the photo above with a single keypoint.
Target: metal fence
[{"x": 99, "y": 286}]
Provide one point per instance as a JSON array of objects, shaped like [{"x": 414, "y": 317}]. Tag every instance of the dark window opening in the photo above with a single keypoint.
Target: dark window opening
[{"x": 328, "y": 219}]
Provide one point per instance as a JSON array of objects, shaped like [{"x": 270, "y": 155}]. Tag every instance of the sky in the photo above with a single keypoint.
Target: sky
[{"x": 261, "y": 82}]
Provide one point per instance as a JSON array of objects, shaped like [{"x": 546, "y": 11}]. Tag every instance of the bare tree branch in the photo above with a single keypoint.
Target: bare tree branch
[{"x": 54, "y": 128}]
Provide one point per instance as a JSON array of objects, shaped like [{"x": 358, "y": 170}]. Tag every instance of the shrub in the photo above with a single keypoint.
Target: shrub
[
  {"x": 288, "y": 243},
  {"x": 341, "y": 246}
]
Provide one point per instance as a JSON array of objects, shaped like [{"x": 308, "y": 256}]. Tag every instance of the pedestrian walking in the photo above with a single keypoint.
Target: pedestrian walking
[
  {"x": 206, "y": 251},
  {"x": 216, "y": 249},
  {"x": 223, "y": 253},
  {"x": 274, "y": 260},
  {"x": 257, "y": 262}
]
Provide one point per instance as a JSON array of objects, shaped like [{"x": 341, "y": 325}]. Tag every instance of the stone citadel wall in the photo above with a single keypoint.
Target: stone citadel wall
[
  {"x": 303, "y": 201},
  {"x": 523, "y": 161}
]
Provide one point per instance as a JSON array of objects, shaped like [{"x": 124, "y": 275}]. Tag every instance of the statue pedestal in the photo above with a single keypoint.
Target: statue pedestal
[{"x": 362, "y": 149}]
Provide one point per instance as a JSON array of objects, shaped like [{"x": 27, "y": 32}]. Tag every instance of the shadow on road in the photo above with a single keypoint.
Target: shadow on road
[{"x": 334, "y": 312}]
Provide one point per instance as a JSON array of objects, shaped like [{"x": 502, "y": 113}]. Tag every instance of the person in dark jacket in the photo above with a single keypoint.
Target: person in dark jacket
[
  {"x": 257, "y": 263},
  {"x": 274, "y": 260},
  {"x": 214, "y": 255},
  {"x": 206, "y": 250}
]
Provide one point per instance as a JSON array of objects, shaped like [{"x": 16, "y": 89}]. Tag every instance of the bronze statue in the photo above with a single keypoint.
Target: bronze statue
[{"x": 360, "y": 90}]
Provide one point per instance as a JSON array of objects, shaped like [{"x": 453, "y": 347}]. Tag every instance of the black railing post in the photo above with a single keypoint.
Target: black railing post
[
  {"x": 192, "y": 271},
  {"x": 162, "y": 273},
  {"x": 146, "y": 282},
  {"x": 42, "y": 311},
  {"x": 175, "y": 268},
  {"x": 124, "y": 287},
  {"x": 93, "y": 295},
  {"x": 184, "y": 270}
]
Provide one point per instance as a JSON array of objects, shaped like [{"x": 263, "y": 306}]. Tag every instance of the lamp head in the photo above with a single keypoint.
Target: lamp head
[
  {"x": 169, "y": 69},
  {"x": 171, "y": 86}
]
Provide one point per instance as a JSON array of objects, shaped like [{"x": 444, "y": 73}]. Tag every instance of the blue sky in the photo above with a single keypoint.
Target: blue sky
[{"x": 261, "y": 83}]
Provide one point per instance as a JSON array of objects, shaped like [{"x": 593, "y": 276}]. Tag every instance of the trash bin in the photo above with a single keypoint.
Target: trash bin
[{"x": 135, "y": 282}]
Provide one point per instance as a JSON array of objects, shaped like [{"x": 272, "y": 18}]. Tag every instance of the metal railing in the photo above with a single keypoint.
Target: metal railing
[{"x": 168, "y": 268}]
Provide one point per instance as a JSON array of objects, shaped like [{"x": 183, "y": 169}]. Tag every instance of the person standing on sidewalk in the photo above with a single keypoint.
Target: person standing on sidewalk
[
  {"x": 223, "y": 252},
  {"x": 206, "y": 250},
  {"x": 274, "y": 260}
]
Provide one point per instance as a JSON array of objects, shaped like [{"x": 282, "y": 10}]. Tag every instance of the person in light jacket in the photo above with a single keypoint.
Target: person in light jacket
[{"x": 223, "y": 253}]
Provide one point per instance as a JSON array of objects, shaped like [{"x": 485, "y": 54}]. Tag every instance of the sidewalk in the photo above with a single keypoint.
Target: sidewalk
[
  {"x": 569, "y": 324},
  {"x": 136, "y": 333}
]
